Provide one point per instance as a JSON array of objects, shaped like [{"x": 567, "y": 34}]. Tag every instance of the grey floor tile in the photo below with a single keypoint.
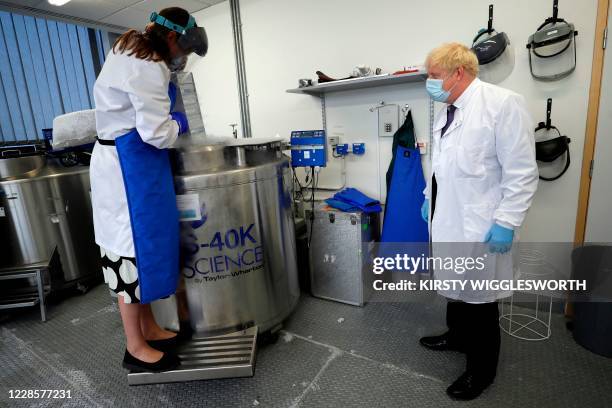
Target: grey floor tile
[{"x": 330, "y": 355}]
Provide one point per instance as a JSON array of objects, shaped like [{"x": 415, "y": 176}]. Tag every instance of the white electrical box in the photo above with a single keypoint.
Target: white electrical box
[{"x": 388, "y": 120}]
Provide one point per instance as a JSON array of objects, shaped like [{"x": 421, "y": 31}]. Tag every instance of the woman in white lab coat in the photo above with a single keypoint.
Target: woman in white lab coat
[{"x": 134, "y": 207}]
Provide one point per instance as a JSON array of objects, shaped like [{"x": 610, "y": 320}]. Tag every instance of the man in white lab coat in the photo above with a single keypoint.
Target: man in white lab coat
[{"x": 484, "y": 177}]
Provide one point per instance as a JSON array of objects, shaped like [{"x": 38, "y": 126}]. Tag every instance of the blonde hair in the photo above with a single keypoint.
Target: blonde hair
[{"x": 451, "y": 56}]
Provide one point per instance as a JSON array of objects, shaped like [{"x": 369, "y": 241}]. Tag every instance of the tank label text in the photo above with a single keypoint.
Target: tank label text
[{"x": 225, "y": 254}]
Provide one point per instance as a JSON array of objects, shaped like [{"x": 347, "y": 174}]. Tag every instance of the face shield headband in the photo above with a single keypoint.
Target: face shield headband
[{"x": 192, "y": 38}]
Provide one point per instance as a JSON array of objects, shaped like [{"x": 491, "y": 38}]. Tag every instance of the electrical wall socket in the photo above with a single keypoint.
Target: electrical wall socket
[{"x": 333, "y": 140}]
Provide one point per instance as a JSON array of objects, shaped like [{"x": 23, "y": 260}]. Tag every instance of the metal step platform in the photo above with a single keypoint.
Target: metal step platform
[{"x": 205, "y": 358}]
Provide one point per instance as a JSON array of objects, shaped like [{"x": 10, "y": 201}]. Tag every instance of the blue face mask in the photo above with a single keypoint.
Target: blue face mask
[{"x": 436, "y": 91}]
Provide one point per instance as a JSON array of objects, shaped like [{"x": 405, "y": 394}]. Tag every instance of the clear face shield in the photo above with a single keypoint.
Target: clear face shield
[
  {"x": 194, "y": 40},
  {"x": 552, "y": 48},
  {"x": 494, "y": 52}
]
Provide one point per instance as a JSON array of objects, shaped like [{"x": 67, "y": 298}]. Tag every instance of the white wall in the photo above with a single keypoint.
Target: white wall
[
  {"x": 215, "y": 75},
  {"x": 289, "y": 39}
]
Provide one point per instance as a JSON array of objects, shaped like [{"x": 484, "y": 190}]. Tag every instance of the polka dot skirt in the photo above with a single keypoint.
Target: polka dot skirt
[{"x": 121, "y": 275}]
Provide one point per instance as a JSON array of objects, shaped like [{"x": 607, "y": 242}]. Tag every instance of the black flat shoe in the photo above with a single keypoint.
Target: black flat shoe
[
  {"x": 169, "y": 361},
  {"x": 439, "y": 343},
  {"x": 165, "y": 344},
  {"x": 185, "y": 331},
  {"x": 468, "y": 387}
]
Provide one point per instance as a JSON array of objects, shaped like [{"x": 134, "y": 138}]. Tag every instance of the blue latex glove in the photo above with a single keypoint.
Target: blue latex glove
[
  {"x": 172, "y": 95},
  {"x": 499, "y": 239},
  {"x": 425, "y": 210},
  {"x": 181, "y": 119}
]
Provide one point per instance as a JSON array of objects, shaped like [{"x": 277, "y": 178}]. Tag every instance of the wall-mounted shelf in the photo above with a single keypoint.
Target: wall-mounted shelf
[{"x": 361, "y": 83}]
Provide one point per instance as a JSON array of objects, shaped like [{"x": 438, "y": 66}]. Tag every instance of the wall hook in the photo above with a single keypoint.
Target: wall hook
[{"x": 376, "y": 107}]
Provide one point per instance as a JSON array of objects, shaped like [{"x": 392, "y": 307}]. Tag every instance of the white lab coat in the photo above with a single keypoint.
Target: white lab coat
[
  {"x": 486, "y": 173},
  {"x": 129, "y": 93}
]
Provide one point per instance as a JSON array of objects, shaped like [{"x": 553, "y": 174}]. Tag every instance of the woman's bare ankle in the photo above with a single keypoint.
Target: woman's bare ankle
[
  {"x": 144, "y": 352},
  {"x": 156, "y": 333}
]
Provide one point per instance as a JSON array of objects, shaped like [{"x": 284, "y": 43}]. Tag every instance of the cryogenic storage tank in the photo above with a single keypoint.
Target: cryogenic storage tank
[
  {"x": 238, "y": 239},
  {"x": 44, "y": 205}
]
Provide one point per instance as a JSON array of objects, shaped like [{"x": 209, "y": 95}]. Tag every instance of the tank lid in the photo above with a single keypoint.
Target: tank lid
[
  {"x": 222, "y": 141},
  {"x": 257, "y": 141},
  {"x": 15, "y": 167},
  {"x": 213, "y": 154}
]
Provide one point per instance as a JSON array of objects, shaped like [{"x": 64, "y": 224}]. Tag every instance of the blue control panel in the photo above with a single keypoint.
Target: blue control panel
[{"x": 308, "y": 148}]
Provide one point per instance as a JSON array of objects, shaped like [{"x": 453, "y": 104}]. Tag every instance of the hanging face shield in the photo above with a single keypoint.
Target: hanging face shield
[
  {"x": 552, "y": 48},
  {"x": 192, "y": 39},
  {"x": 494, "y": 53},
  {"x": 548, "y": 151}
]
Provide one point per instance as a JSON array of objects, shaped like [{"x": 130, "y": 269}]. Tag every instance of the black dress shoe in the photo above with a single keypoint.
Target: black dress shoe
[
  {"x": 169, "y": 361},
  {"x": 468, "y": 386},
  {"x": 439, "y": 343}
]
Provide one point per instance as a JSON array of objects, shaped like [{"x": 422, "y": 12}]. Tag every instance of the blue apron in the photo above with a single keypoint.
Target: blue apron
[
  {"x": 149, "y": 187},
  {"x": 403, "y": 221}
]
